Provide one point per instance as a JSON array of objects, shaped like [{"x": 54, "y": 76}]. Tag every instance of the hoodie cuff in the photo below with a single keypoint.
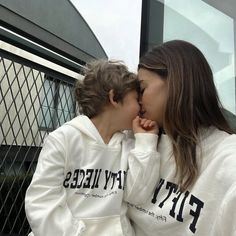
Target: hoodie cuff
[{"x": 145, "y": 142}]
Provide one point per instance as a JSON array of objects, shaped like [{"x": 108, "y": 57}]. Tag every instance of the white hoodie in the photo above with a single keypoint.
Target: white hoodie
[
  {"x": 208, "y": 208},
  {"x": 78, "y": 186}
]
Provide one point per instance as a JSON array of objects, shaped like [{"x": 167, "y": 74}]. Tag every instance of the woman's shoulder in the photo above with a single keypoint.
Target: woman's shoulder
[
  {"x": 214, "y": 138},
  {"x": 220, "y": 157},
  {"x": 226, "y": 140},
  {"x": 230, "y": 140},
  {"x": 225, "y": 153}
]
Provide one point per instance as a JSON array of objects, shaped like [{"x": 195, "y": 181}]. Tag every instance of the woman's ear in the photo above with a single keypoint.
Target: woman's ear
[{"x": 111, "y": 98}]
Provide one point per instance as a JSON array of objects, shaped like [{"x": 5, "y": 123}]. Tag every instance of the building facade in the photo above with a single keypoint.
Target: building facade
[{"x": 43, "y": 49}]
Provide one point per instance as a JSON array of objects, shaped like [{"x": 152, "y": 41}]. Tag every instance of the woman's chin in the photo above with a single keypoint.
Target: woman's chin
[{"x": 150, "y": 117}]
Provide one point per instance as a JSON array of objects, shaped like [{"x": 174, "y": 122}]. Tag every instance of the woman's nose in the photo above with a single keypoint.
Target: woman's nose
[{"x": 140, "y": 104}]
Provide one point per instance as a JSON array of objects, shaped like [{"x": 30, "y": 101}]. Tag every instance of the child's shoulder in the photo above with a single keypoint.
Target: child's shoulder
[{"x": 66, "y": 130}]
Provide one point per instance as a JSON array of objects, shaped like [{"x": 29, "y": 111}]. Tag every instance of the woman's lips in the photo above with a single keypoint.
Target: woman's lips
[{"x": 141, "y": 113}]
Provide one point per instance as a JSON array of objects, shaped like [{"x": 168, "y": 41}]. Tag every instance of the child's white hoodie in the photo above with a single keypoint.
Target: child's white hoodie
[{"x": 80, "y": 182}]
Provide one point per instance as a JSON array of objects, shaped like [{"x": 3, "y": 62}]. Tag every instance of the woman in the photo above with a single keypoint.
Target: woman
[{"x": 196, "y": 190}]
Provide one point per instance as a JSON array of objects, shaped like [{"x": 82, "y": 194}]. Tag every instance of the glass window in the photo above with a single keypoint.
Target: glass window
[
  {"x": 47, "y": 115},
  {"x": 57, "y": 104},
  {"x": 207, "y": 24},
  {"x": 212, "y": 32}
]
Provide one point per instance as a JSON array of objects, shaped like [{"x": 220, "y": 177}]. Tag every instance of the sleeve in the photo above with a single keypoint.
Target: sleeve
[
  {"x": 225, "y": 223},
  {"x": 143, "y": 169},
  {"x": 45, "y": 200}
]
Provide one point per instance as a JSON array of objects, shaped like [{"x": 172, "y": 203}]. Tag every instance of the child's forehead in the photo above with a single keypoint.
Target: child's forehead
[{"x": 132, "y": 92}]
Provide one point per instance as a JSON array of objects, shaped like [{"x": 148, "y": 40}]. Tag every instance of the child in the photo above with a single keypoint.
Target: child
[{"x": 82, "y": 174}]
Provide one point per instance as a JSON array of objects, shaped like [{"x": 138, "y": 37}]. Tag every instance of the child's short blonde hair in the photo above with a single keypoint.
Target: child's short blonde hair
[{"x": 101, "y": 76}]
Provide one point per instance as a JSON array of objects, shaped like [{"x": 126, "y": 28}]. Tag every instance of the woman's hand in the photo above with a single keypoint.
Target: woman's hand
[{"x": 142, "y": 125}]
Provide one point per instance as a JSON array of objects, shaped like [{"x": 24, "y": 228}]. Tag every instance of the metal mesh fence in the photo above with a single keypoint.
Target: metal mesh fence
[{"x": 33, "y": 102}]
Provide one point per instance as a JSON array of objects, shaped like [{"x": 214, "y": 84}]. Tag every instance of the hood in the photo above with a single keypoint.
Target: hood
[{"x": 86, "y": 126}]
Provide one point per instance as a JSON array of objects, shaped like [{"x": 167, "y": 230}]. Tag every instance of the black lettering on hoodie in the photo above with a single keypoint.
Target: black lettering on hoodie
[
  {"x": 89, "y": 174},
  {"x": 196, "y": 213},
  {"x": 82, "y": 172},
  {"x": 96, "y": 178},
  {"x": 67, "y": 179},
  {"x": 107, "y": 177},
  {"x": 154, "y": 199},
  {"x": 172, "y": 188},
  {"x": 75, "y": 179}
]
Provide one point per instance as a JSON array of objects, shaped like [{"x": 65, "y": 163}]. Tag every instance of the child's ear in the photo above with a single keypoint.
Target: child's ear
[{"x": 111, "y": 98}]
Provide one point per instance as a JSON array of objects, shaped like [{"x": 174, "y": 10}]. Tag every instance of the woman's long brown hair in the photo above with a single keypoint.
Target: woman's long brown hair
[{"x": 192, "y": 101}]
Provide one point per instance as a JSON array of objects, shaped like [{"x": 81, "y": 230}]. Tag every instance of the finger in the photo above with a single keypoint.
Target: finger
[
  {"x": 152, "y": 124},
  {"x": 147, "y": 123},
  {"x": 142, "y": 121},
  {"x": 136, "y": 121}
]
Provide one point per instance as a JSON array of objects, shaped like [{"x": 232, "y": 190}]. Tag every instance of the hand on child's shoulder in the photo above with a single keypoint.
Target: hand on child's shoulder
[{"x": 142, "y": 125}]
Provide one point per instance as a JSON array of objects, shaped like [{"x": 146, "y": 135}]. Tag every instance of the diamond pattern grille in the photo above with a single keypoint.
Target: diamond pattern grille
[{"x": 33, "y": 102}]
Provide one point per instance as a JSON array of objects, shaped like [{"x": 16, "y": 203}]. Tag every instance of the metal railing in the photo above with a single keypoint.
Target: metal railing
[{"x": 34, "y": 100}]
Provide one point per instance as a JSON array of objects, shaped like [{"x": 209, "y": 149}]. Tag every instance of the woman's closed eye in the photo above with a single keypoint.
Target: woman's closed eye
[
  {"x": 141, "y": 90},
  {"x": 140, "y": 94}
]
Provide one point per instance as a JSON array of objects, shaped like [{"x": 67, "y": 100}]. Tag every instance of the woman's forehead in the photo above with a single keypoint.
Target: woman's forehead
[{"x": 146, "y": 76}]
